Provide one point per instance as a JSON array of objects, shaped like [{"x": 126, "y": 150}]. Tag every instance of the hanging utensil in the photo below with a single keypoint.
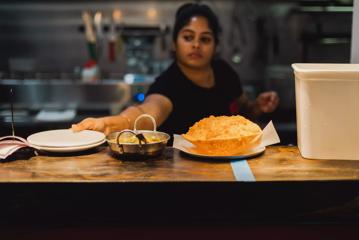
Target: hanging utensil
[
  {"x": 112, "y": 37},
  {"x": 12, "y": 112},
  {"x": 89, "y": 34},
  {"x": 237, "y": 38},
  {"x": 163, "y": 32},
  {"x": 98, "y": 23}
]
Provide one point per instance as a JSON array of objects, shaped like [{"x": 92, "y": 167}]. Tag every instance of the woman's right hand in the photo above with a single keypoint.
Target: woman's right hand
[{"x": 96, "y": 124}]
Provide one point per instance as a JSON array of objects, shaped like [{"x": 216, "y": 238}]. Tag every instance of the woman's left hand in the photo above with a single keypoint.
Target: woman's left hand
[{"x": 267, "y": 101}]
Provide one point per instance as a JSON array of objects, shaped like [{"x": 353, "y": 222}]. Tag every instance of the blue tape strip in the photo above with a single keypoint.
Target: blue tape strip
[{"x": 242, "y": 172}]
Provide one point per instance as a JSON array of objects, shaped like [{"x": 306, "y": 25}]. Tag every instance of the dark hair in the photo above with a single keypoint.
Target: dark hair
[{"x": 189, "y": 10}]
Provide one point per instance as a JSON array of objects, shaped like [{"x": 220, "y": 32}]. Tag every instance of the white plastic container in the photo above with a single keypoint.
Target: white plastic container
[{"x": 327, "y": 101}]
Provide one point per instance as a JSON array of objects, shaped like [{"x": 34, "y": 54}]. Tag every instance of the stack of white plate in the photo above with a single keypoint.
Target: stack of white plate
[{"x": 65, "y": 140}]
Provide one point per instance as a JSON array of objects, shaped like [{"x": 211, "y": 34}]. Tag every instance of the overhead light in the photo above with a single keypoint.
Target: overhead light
[
  {"x": 117, "y": 15},
  {"x": 152, "y": 13},
  {"x": 98, "y": 18}
]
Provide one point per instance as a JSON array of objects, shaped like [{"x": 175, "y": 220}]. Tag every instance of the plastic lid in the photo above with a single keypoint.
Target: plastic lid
[{"x": 326, "y": 71}]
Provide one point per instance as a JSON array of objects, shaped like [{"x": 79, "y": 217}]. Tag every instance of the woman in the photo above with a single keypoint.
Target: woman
[{"x": 195, "y": 86}]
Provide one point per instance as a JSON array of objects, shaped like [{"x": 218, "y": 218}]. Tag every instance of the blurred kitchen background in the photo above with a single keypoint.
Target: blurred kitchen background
[{"x": 46, "y": 47}]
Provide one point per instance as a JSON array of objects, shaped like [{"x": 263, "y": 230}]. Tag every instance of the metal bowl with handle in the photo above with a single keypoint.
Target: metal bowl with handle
[{"x": 138, "y": 143}]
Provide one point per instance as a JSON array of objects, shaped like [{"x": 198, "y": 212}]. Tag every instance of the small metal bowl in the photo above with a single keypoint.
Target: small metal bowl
[{"x": 138, "y": 143}]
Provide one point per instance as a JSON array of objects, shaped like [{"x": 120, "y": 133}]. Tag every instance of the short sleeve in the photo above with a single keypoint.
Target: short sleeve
[{"x": 167, "y": 84}]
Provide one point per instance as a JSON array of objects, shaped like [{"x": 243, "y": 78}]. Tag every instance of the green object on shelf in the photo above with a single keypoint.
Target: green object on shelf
[{"x": 92, "y": 50}]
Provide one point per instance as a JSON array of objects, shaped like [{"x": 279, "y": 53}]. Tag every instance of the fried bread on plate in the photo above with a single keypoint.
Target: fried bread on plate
[{"x": 223, "y": 135}]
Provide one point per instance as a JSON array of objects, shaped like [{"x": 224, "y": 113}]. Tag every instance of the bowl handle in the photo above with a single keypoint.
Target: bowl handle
[
  {"x": 140, "y": 137},
  {"x": 142, "y": 116}
]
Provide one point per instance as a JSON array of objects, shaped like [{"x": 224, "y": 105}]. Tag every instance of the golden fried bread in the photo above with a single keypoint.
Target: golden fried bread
[{"x": 223, "y": 135}]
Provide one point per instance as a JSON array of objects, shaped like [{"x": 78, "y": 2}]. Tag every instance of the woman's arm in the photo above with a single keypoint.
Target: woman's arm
[{"x": 157, "y": 105}]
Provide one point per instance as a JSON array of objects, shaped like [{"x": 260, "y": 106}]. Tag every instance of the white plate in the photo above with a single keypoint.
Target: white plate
[
  {"x": 68, "y": 149},
  {"x": 64, "y": 138},
  {"x": 248, "y": 154}
]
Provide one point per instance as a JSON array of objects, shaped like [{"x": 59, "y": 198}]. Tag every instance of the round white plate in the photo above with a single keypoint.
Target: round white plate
[
  {"x": 249, "y": 154},
  {"x": 62, "y": 138},
  {"x": 68, "y": 149}
]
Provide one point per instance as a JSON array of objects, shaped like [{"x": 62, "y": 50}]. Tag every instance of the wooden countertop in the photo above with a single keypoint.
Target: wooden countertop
[
  {"x": 95, "y": 188},
  {"x": 278, "y": 163}
]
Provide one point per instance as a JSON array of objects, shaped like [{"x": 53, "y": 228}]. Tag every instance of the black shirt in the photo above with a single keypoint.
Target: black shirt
[{"x": 191, "y": 102}]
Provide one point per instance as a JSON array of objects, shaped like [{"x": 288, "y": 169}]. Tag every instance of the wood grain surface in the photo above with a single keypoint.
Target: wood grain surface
[
  {"x": 278, "y": 163},
  {"x": 286, "y": 164},
  {"x": 101, "y": 166}
]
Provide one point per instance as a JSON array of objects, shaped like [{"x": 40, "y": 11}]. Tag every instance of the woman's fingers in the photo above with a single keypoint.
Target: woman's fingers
[
  {"x": 88, "y": 124},
  {"x": 75, "y": 128},
  {"x": 268, "y": 101}
]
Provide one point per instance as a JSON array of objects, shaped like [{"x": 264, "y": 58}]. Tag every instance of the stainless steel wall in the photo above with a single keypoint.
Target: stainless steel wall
[{"x": 260, "y": 38}]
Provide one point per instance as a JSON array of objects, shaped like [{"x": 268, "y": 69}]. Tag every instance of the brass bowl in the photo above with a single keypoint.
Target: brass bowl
[
  {"x": 138, "y": 143},
  {"x": 148, "y": 143}
]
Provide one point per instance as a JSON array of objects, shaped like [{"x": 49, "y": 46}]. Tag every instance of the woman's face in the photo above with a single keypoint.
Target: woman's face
[{"x": 195, "y": 44}]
